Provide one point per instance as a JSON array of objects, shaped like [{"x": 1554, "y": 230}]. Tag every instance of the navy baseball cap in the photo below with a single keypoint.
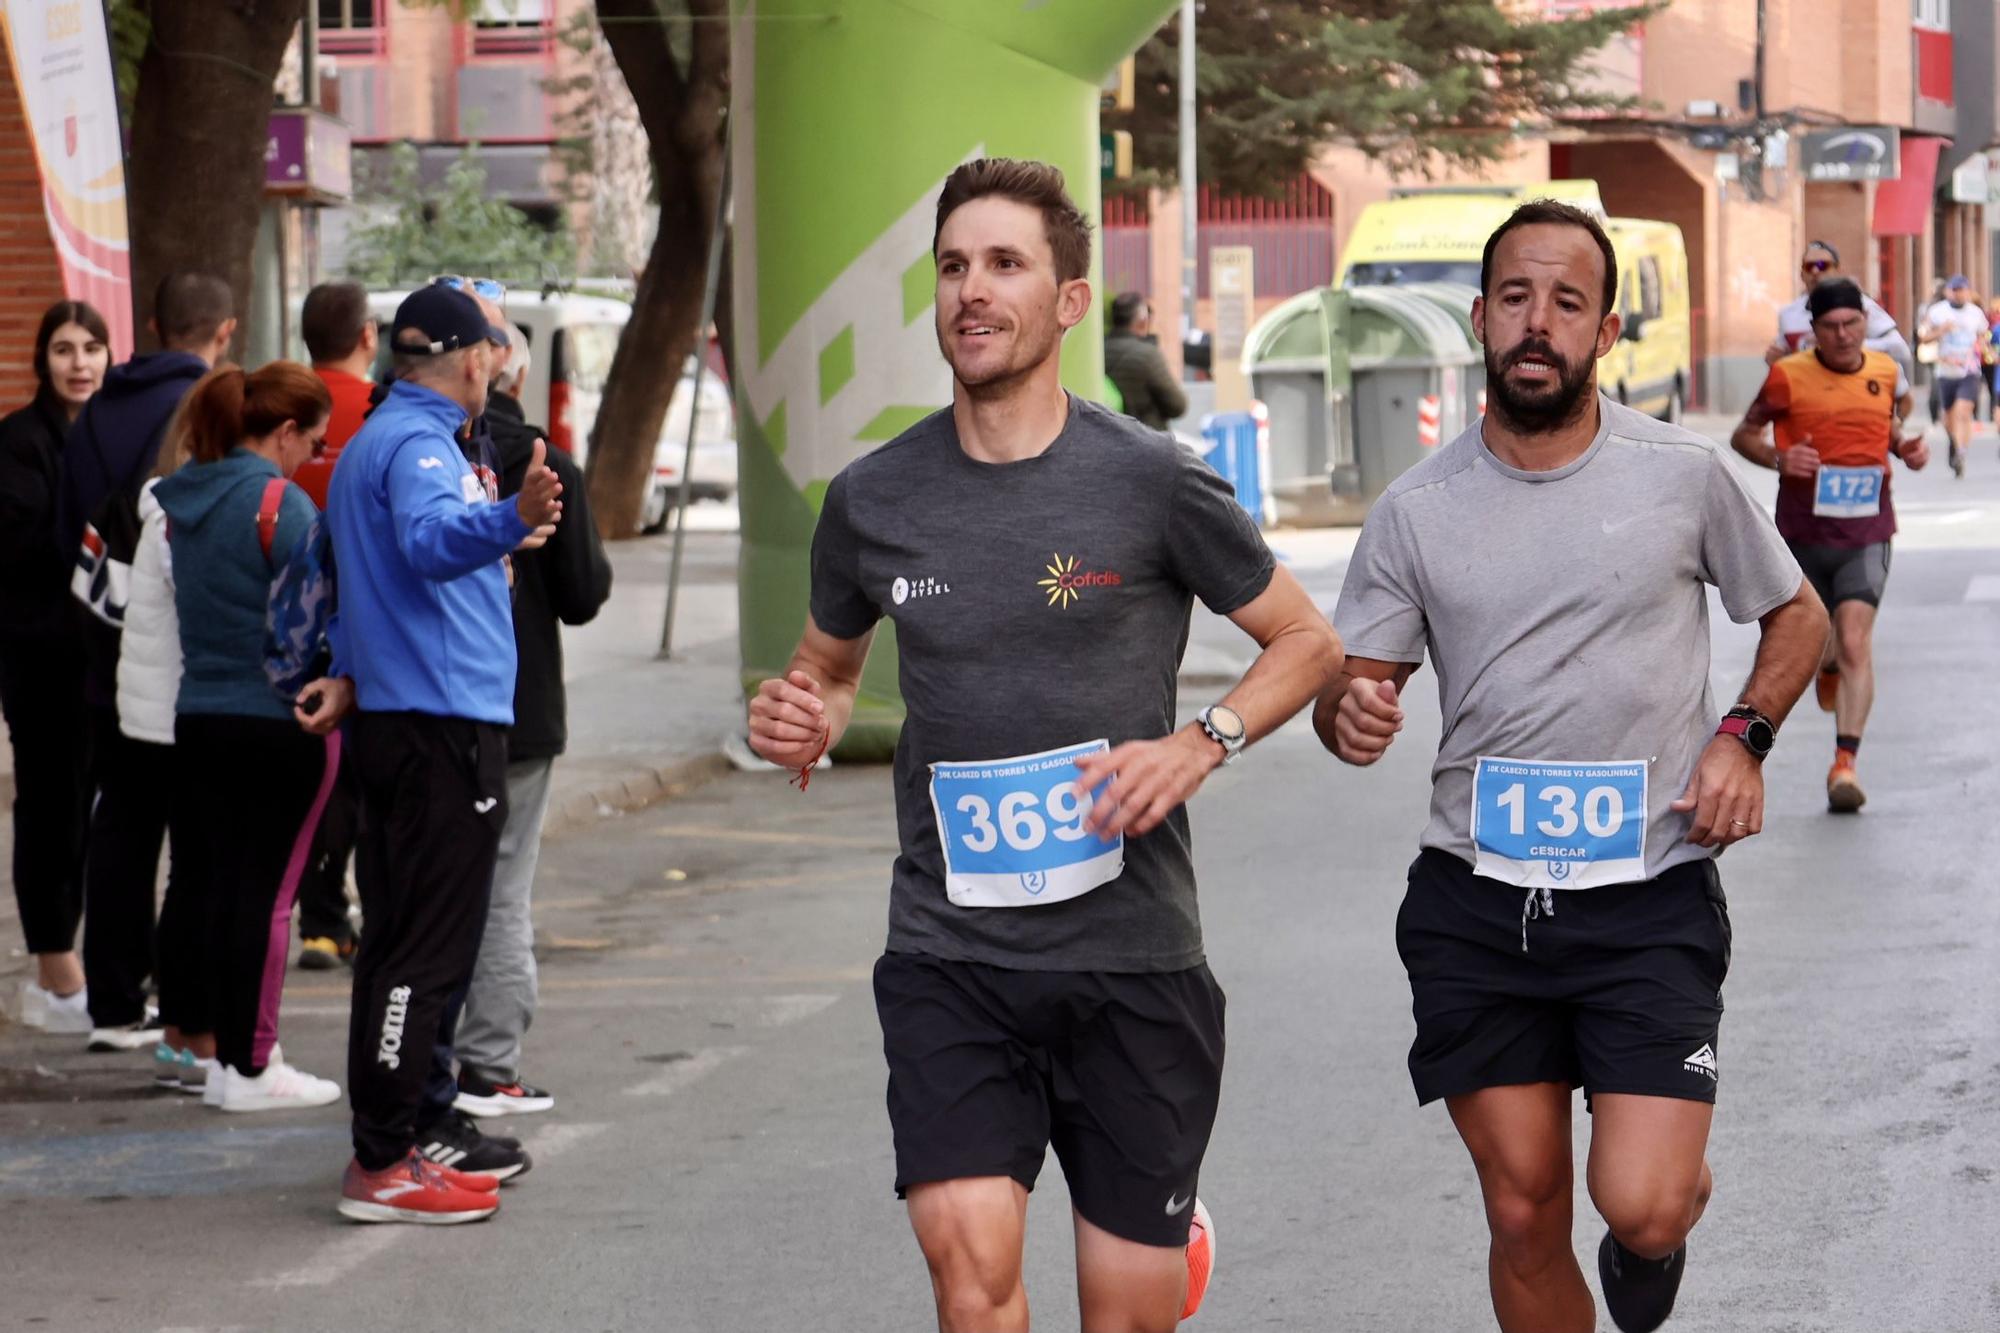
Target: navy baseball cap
[
  {"x": 436, "y": 319},
  {"x": 1958, "y": 280}
]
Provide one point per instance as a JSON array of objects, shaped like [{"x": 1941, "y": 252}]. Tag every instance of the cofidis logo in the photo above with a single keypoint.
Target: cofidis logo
[{"x": 1066, "y": 581}]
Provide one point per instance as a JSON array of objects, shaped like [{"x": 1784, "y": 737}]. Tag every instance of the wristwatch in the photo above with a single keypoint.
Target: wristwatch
[
  {"x": 1224, "y": 726},
  {"x": 1756, "y": 731}
]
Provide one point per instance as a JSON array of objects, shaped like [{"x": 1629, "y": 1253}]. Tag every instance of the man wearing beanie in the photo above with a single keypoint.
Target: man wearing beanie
[{"x": 1833, "y": 407}]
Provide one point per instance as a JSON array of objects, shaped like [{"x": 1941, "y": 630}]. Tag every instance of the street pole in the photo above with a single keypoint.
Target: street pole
[
  {"x": 1187, "y": 170},
  {"x": 708, "y": 292}
]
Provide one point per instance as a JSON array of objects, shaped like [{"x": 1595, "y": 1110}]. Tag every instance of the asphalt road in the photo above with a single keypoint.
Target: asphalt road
[{"x": 720, "y": 1158}]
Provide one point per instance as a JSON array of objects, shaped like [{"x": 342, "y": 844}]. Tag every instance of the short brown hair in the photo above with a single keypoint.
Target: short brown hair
[
  {"x": 332, "y": 320},
  {"x": 1551, "y": 212},
  {"x": 190, "y": 308},
  {"x": 1036, "y": 184}
]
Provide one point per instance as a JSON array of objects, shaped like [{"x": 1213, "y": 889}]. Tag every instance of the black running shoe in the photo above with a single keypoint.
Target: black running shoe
[
  {"x": 1638, "y": 1293},
  {"x": 456, "y": 1142},
  {"x": 482, "y": 1096}
]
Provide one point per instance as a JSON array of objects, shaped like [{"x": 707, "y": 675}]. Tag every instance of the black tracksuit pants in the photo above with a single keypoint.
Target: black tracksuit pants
[
  {"x": 323, "y": 891},
  {"x": 433, "y": 801},
  {"x": 128, "y": 823},
  {"x": 41, "y": 693},
  {"x": 254, "y": 842}
]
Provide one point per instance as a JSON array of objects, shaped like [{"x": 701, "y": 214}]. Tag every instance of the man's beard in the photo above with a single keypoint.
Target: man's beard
[
  {"x": 1031, "y": 349},
  {"x": 1536, "y": 411}
]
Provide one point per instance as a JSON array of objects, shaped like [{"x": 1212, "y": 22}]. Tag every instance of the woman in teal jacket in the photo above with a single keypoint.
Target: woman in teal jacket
[{"x": 260, "y": 784}]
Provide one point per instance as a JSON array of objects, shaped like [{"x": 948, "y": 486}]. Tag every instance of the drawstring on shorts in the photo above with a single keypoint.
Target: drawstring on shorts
[{"x": 1539, "y": 902}]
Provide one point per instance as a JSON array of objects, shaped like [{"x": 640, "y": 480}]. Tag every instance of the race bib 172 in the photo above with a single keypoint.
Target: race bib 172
[
  {"x": 1848, "y": 492},
  {"x": 1013, "y": 830},
  {"x": 1558, "y": 825}
]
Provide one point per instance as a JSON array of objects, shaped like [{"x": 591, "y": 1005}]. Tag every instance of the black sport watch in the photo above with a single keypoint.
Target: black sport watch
[{"x": 1757, "y": 732}]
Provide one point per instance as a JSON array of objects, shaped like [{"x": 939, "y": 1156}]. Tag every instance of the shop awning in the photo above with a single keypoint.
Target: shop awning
[{"x": 1903, "y": 206}]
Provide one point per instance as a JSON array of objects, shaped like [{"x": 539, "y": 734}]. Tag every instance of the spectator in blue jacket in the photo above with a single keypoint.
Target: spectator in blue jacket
[
  {"x": 259, "y": 783},
  {"x": 423, "y": 649}
]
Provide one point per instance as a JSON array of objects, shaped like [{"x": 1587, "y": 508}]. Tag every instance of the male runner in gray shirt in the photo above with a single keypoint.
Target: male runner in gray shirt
[
  {"x": 1564, "y": 924},
  {"x": 1044, "y": 983}
]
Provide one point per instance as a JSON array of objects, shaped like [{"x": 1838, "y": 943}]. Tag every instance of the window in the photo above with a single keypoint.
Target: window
[
  {"x": 1649, "y": 288},
  {"x": 347, "y": 14},
  {"x": 512, "y": 13}
]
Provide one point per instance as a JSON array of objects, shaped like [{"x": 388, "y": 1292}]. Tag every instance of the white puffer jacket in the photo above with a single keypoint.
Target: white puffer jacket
[{"x": 149, "y": 654}]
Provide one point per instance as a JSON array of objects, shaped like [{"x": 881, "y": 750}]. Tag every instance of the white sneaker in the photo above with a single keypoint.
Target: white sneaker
[
  {"x": 69, "y": 1014},
  {"x": 280, "y": 1087},
  {"x": 131, "y": 1037},
  {"x": 211, "y": 1088}
]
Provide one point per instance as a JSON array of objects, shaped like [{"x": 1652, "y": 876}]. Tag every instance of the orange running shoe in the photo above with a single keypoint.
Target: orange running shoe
[
  {"x": 1827, "y": 688},
  {"x": 1843, "y": 789},
  {"x": 412, "y": 1190},
  {"x": 1200, "y": 1259}
]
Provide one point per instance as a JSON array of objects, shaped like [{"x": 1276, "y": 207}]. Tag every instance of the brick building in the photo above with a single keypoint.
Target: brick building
[{"x": 30, "y": 280}]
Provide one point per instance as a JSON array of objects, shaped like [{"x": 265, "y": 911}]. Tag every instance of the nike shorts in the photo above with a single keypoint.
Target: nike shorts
[
  {"x": 1119, "y": 1071},
  {"x": 1957, "y": 389},
  {"x": 1845, "y": 573},
  {"x": 1618, "y": 990}
]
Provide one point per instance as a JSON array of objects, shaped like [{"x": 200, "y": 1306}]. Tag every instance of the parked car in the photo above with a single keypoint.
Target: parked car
[{"x": 714, "y": 471}]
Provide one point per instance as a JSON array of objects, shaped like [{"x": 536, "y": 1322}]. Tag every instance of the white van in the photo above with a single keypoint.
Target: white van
[{"x": 571, "y": 340}]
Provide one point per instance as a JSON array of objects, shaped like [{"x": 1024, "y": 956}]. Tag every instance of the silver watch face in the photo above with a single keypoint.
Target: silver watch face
[{"x": 1226, "y": 723}]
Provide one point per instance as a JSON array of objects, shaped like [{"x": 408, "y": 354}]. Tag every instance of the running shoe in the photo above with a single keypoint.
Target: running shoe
[
  {"x": 183, "y": 1071},
  {"x": 1200, "y": 1259},
  {"x": 1827, "y": 688},
  {"x": 455, "y": 1141},
  {"x": 323, "y": 953},
  {"x": 1843, "y": 789},
  {"x": 1638, "y": 1293},
  {"x": 1957, "y": 460},
  {"x": 413, "y": 1190},
  {"x": 280, "y": 1087},
  {"x": 481, "y": 1096},
  {"x": 44, "y": 1009},
  {"x": 130, "y": 1037}
]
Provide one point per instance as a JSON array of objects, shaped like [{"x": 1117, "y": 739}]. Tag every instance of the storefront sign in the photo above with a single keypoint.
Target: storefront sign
[{"x": 1852, "y": 153}]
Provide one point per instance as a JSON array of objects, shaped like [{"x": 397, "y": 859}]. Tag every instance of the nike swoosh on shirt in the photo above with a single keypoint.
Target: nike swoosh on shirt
[{"x": 1622, "y": 524}]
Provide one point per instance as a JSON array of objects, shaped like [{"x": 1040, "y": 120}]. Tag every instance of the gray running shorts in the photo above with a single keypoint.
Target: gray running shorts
[{"x": 1845, "y": 573}]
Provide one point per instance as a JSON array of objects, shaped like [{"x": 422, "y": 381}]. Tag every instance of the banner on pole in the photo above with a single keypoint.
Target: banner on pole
[{"x": 60, "y": 52}]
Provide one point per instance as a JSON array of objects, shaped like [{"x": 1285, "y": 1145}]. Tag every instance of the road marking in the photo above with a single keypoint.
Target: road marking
[
  {"x": 719, "y": 833},
  {"x": 780, "y": 1010},
  {"x": 1983, "y": 588},
  {"x": 335, "y": 1260},
  {"x": 682, "y": 1073},
  {"x": 555, "y": 1140}
]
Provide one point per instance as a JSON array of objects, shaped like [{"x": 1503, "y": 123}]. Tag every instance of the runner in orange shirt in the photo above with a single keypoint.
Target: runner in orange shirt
[{"x": 1835, "y": 410}]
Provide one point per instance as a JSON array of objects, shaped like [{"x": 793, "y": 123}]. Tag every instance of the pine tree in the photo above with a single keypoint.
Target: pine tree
[{"x": 1413, "y": 83}]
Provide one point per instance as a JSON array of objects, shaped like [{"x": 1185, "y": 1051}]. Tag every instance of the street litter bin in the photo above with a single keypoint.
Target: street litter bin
[
  {"x": 1233, "y": 444},
  {"x": 1299, "y": 373},
  {"x": 1456, "y": 298}
]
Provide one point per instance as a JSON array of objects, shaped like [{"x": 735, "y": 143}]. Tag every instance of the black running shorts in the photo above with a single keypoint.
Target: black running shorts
[
  {"x": 1845, "y": 573},
  {"x": 1618, "y": 990},
  {"x": 1120, "y": 1071}
]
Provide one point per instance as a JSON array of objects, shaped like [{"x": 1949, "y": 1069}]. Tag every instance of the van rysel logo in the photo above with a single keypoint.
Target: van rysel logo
[
  {"x": 1066, "y": 582},
  {"x": 902, "y": 590}
]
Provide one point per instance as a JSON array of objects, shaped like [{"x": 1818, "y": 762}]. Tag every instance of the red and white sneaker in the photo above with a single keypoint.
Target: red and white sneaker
[
  {"x": 1200, "y": 1259},
  {"x": 414, "y": 1190}
]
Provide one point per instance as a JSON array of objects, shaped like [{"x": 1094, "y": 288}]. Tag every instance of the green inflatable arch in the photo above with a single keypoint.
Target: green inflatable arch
[{"x": 848, "y": 115}]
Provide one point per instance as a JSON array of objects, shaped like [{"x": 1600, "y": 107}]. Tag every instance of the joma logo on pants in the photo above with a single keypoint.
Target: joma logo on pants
[{"x": 392, "y": 1028}]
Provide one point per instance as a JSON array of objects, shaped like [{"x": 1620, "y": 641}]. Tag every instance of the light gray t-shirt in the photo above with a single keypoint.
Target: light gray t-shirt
[
  {"x": 1038, "y": 605},
  {"x": 1565, "y": 616}
]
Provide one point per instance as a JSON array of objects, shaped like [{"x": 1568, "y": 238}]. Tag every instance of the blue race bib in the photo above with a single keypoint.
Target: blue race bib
[
  {"x": 1848, "y": 492},
  {"x": 1012, "y": 830},
  {"x": 1540, "y": 824}
]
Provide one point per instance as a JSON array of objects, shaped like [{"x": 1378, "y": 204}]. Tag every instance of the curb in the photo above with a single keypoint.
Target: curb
[{"x": 646, "y": 786}]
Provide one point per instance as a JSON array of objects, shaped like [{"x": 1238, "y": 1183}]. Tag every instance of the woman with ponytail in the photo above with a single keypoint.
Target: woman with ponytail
[{"x": 258, "y": 783}]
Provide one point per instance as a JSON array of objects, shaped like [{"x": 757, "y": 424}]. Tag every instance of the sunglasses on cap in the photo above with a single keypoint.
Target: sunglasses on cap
[
  {"x": 1817, "y": 265},
  {"x": 495, "y": 292}
]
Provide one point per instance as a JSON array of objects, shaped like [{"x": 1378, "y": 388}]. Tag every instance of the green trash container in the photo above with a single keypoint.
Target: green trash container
[
  {"x": 1456, "y": 299},
  {"x": 1410, "y": 359},
  {"x": 1296, "y": 360}
]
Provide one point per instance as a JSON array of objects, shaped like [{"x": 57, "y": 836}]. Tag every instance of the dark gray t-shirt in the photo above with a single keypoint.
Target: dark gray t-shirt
[
  {"x": 1037, "y": 605},
  {"x": 1565, "y": 614}
]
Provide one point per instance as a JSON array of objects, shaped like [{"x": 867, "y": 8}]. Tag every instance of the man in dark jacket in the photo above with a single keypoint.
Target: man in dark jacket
[
  {"x": 562, "y": 583},
  {"x": 1133, "y": 362}
]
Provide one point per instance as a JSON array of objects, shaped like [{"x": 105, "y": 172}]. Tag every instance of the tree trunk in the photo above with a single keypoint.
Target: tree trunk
[
  {"x": 682, "y": 110},
  {"x": 199, "y": 127}
]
